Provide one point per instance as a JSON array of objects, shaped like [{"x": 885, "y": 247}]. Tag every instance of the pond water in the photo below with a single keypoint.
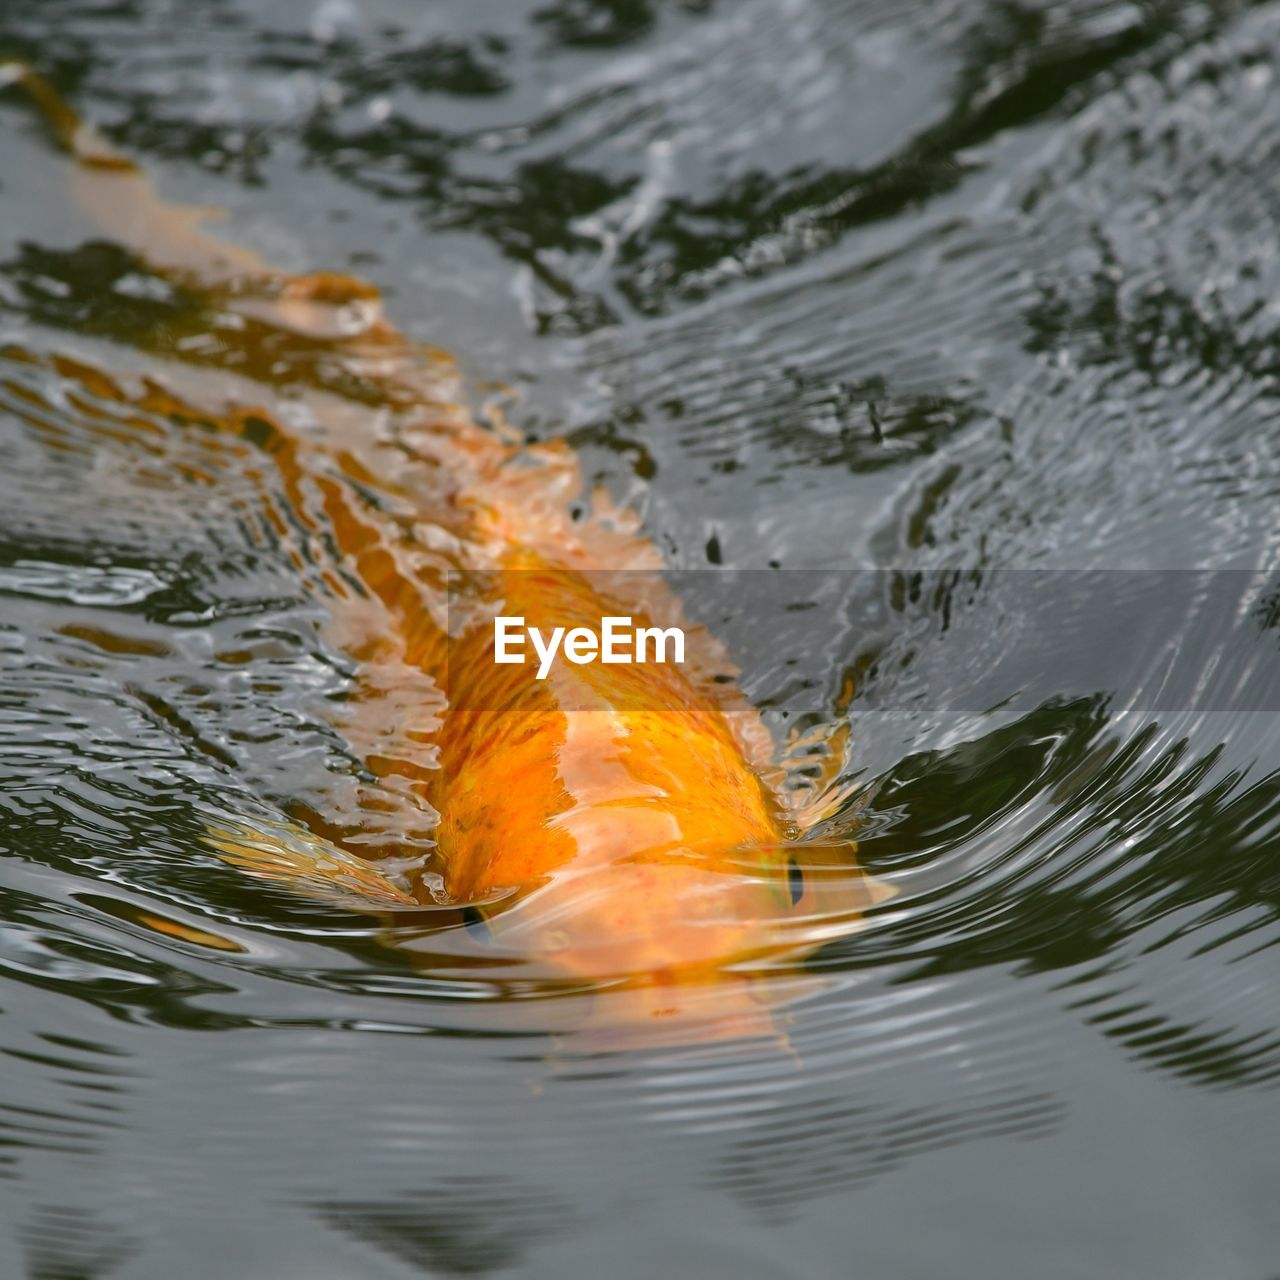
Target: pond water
[{"x": 937, "y": 345}]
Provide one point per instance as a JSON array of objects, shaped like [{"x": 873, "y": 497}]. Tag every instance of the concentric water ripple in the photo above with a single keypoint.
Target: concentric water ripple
[{"x": 941, "y": 332}]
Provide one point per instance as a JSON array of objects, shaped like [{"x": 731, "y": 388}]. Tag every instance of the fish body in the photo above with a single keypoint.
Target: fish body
[{"x": 621, "y": 828}]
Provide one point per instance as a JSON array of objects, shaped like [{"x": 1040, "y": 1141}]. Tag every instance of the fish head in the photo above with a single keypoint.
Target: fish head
[
  {"x": 625, "y": 818},
  {"x": 683, "y": 946}
]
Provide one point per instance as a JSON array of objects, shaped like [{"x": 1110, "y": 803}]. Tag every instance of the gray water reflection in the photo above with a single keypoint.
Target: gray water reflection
[{"x": 970, "y": 289}]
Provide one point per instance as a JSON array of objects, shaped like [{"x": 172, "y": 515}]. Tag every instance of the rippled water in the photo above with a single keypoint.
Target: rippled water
[{"x": 947, "y": 335}]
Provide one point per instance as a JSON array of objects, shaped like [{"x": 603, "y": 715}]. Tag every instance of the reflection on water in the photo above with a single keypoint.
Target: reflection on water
[
  {"x": 911, "y": 296},
  {"x": 466, "y": 1226},
  {"x": 61, "y": 1242}
]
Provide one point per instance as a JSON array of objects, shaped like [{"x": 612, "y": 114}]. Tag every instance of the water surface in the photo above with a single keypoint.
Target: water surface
[{"x": 946, "y": 334}]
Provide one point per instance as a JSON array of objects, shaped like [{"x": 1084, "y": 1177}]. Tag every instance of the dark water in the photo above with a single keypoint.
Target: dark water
[{"x": 937, "y": 302}]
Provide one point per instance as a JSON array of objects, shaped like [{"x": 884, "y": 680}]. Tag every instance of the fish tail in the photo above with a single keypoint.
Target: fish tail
[
  {"x": 169, "y": 239},
  {"x": 111, "y": 190},
  {"x": 81, "y": 141}
]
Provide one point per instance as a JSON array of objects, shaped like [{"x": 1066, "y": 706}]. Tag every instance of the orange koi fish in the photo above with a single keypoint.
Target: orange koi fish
[{"x": 623, "y": 830}]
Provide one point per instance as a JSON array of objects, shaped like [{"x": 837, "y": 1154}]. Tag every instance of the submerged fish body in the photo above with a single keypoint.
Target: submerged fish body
[{"x": 617, "y": 828}]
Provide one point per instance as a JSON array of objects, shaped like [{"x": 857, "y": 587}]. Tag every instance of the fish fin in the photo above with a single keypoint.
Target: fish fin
[
  {"x": 812, "y": 763},
  {"x": 811, "y": 767},
  {"x": 291, "y": 856}
]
